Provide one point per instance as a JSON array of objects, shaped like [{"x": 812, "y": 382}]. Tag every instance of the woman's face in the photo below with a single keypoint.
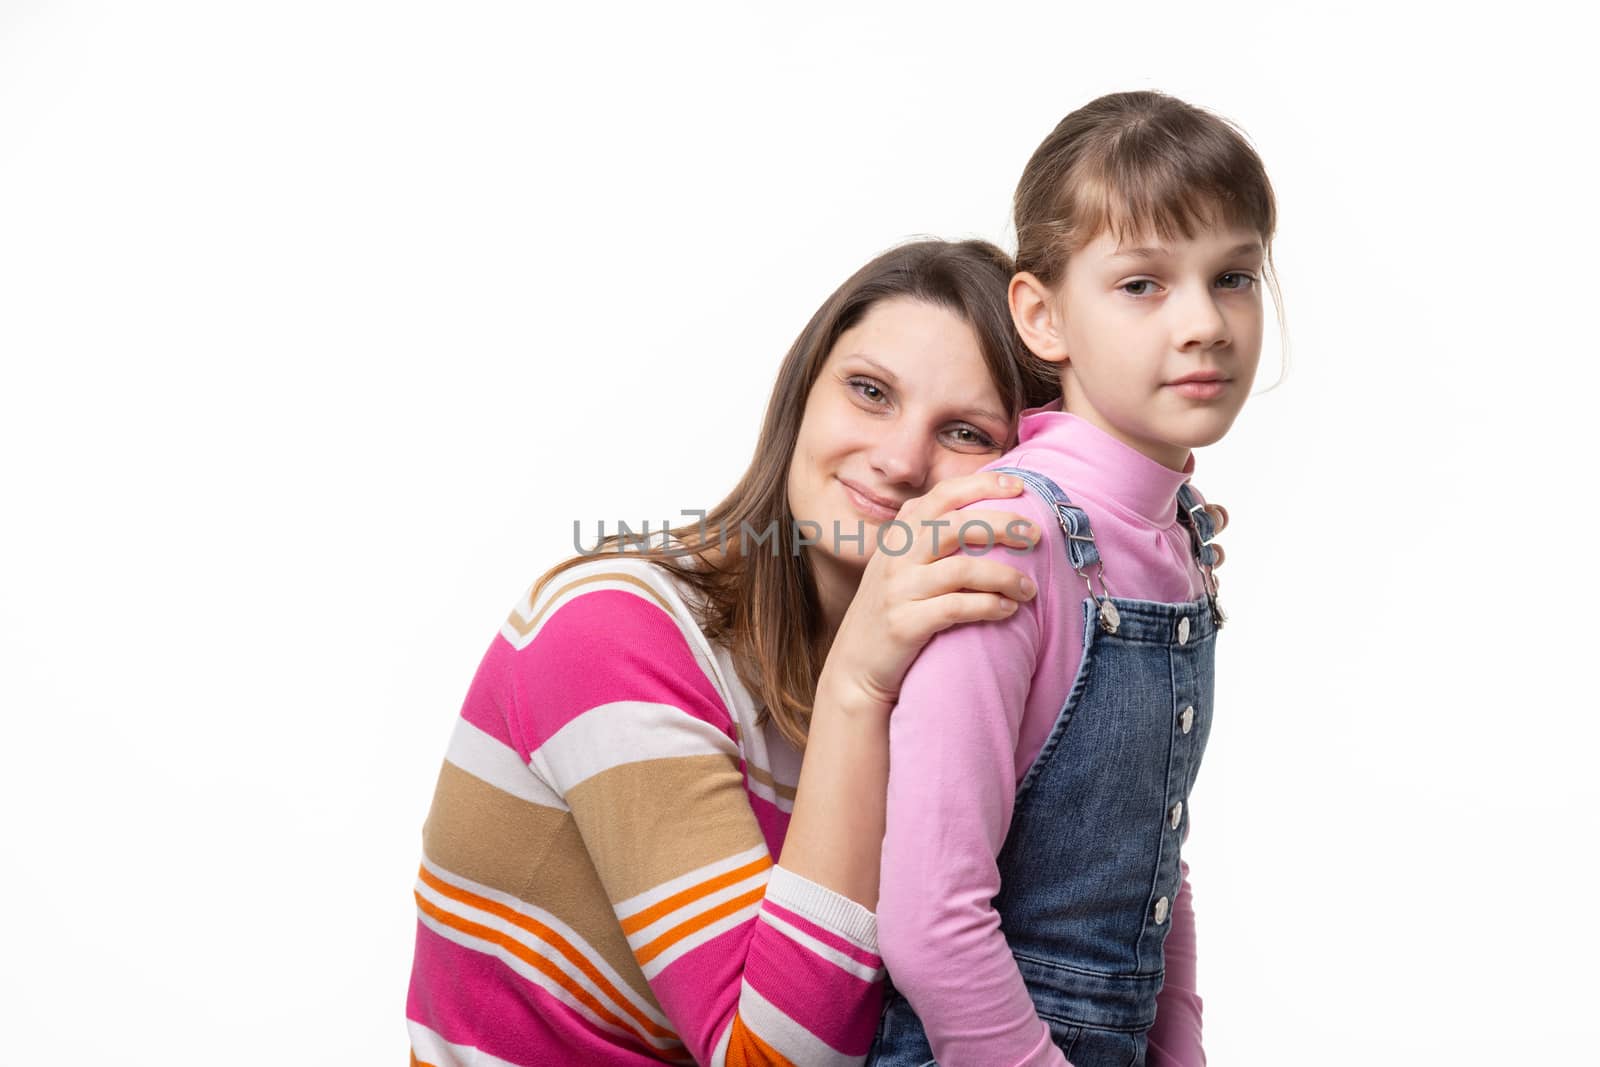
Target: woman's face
[{"x": 903, "y": 401}]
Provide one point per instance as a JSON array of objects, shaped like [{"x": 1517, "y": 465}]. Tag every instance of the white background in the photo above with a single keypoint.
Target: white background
[{"x": 321, "y": 321}]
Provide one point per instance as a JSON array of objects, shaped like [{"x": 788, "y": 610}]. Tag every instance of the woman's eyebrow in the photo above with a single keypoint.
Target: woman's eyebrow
[
  {"x": 883, "y": 372},
  {"x": 985, "y": 413},
  {"x": 963, "y": 412}
]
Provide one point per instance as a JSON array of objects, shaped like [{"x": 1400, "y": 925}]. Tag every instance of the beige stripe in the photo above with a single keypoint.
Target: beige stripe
[
  {"x": 532, "y": 852},
  {"x": 646, "y": 823},
  {"x": 764, "y": 776},
  {"x": 525, "y": 628}
]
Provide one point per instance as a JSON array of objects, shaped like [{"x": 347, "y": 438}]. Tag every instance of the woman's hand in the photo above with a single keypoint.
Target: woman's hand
[
  {"x": 905, "y": 599},
  {"x": 1219, "y": 518}
]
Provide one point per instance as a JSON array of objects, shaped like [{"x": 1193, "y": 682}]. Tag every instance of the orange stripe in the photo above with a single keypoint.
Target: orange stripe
[
  {"x": 527, "y": 955},
  {"x": 525, "y": 628},
  {"x": 683, "y": 930},
  {"x": 549, "y": 937},
  {"x": 745, "y": 1049},
  {"x": 634, "y": 923}
]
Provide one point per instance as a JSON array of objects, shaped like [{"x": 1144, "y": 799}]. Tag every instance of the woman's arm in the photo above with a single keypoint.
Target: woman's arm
[
  {"x": 647, "y": 879},
  {"x": 836, "y": 833}
]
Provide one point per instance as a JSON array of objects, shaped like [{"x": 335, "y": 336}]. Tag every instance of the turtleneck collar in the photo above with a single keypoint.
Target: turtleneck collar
[{"x": 1105, "y": 467}]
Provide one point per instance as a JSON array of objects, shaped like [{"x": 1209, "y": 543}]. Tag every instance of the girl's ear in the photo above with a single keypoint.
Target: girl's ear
[{"x": 1033, "y": 310}]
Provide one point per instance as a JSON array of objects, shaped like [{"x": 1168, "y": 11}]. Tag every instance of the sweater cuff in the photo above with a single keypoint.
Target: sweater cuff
[{"x": 824, "y": 907}]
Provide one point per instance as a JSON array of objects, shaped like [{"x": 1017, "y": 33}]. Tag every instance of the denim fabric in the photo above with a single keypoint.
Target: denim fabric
[{"x": 1089, "y": 868}]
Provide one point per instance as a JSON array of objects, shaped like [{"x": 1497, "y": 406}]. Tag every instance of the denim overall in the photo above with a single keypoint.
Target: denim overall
[{"x": 1089, "y": 868}]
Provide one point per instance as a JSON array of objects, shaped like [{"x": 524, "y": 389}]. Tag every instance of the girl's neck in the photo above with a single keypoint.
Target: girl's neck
[{"x": 1172, "y": 456}]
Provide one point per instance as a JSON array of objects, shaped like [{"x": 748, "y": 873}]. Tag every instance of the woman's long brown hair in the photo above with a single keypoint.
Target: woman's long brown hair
[{"x": 762, "y": 604}]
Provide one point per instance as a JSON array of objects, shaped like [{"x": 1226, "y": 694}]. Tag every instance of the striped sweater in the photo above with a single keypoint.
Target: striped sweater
[{"x": 597, "y": 881}]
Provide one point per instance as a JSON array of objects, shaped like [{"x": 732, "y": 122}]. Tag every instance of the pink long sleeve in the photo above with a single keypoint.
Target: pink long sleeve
[
  {"x": 974, "y": 711},
  {"x": 952, "y": 786},
  {"x": 1175, "y": 1038}
]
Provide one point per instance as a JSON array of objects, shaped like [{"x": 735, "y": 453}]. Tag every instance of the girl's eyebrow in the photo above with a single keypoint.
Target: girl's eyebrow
[{"x": 1161, "y": 252}]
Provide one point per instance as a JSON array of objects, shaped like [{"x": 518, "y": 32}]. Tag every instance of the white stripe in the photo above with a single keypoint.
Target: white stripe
[
  {"x": 484, "y": 757},
  {"x": 822, "y": 948},
  {"x": 628, "y": 731},
  {"x": 649, "y": 898},
  {"x": 765, "y": 792},
  {"x": 429, "y": 1047},
  {"x": 786, "y": 1036},
  {"x": 698, "y": 938},
  {"x": 538, "y": 945},
  {"x": 719, "y": 1054},
  {"x": 698, "y": 906}
]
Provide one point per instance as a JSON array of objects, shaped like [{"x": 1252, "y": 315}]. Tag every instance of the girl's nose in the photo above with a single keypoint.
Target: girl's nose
[{"x": 1200, "y": 323}]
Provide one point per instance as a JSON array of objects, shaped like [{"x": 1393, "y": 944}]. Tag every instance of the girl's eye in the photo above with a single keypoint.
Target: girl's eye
[
  {"x": 1236, "y": 279},
  {"x": 1138, "y": 287},
  {"x": 869, "y": 389}
]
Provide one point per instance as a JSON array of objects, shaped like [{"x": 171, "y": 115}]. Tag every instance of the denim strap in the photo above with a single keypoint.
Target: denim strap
[
  {"x": 1081, "y": 549},
  {"x": 1202, "y": 528}
]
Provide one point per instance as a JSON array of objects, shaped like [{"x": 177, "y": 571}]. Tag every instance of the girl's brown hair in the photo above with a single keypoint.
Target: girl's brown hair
[
  {"x": 762, "y": 604},
  {"x": 1139, "y": 162}
]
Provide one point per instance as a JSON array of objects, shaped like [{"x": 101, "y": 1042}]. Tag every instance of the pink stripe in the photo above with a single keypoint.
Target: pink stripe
[
  {"x": 488, "y": 703},
  {"x": 839, "y": 1008},
  {"x": 823, "y": 934},
  {"x": 607, "y": 646},
  {"x": 700, "y": 989},
  {"x": 773, "y": 820},
  {"x": 471, "y": 998}
]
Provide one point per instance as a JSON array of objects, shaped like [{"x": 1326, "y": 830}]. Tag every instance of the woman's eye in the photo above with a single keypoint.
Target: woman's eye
[
  {"x": 1235, "y": 279},
  {"x": 1138, "y": 287},
  {"x": 967, "y": 435},
  {"x": 869, "y": 389}
]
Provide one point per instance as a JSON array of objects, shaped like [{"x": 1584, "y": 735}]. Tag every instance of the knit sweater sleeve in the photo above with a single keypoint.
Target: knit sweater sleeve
[{"x": 696, "y": 947}]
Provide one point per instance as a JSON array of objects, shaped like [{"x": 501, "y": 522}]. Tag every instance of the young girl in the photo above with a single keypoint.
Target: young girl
[{"x": 1033, "y": 906}]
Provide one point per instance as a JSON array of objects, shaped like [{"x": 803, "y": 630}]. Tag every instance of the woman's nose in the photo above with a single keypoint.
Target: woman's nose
[{"x": 901, "y": 457}]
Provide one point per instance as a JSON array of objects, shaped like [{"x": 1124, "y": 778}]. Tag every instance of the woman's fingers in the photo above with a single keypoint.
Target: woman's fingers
[
  {"x": 945, "y": 611},
  {"x": 944, "y": 535},
  {"x": 973, "y": 574},
  {"x": 1219, "y": 521},
  {"x": 953, "y": 493}
]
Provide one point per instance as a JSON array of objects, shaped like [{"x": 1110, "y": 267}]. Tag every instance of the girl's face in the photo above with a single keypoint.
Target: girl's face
[
  {"x": 1159, "y": 341},
  {"x": 903, "y": 401}
]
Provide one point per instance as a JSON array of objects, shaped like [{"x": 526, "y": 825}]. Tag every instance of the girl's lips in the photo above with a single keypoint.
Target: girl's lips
[
  {"x": 868, "y": 506},
  {"x": 1201, "y": 388}
]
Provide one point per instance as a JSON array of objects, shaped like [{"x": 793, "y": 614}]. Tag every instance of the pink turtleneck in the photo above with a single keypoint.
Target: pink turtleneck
[{"x": 974, "y": 711}]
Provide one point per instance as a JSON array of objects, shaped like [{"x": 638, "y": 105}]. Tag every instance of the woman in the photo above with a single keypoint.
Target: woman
[{"x": 598, "y": 883}]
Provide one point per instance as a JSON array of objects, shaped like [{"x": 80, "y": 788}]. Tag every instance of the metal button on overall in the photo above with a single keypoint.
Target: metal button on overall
[
  {"x": 1161, "y": 910},
  {"x": 1186, "y": 720},
  {"x": 1183, "y": 630},
  {"x": 1175, "y": 816}
]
